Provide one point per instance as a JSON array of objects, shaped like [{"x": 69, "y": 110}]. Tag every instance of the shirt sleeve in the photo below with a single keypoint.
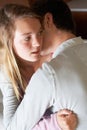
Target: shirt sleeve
[
  {"x": 10, "y": 102},
  {"x": 38, "y": 97},
  {"x": 47, "y": 123}
]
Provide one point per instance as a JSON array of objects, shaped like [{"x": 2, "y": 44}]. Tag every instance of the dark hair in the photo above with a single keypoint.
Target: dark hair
[{"x": 62, "y": 15}]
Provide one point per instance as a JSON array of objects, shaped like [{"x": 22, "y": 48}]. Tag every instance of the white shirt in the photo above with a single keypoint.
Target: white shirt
[
  {"x": 62, "y": 83},
  {"x": 59, "y": 84}
]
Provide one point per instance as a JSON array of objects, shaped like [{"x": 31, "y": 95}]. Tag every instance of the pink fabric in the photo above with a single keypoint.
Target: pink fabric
[{"x": 47, "y": 123}]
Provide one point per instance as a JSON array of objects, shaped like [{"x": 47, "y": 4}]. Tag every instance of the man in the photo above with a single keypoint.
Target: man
[{"x": 62, "y": 82}]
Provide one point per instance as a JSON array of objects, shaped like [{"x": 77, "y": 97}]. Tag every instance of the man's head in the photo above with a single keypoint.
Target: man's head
[{"x": 57, "y": 18}]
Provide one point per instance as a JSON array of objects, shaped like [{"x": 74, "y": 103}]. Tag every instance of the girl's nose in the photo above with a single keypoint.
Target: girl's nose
[{"x": 37, "y": 42}]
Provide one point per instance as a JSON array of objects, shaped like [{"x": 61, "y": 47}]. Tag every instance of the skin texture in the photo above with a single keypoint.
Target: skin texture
[
  {"x": 67, "y": 120},
  {"x": 28, "y": 39}
]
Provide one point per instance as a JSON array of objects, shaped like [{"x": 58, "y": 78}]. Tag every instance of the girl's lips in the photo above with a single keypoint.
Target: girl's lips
[{"x": 36, "y": 52}]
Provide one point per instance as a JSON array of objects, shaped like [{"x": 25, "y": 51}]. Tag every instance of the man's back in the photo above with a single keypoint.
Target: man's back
[
  {"x": 62, "y": 82},
  {"x": 70, "y": 79}
]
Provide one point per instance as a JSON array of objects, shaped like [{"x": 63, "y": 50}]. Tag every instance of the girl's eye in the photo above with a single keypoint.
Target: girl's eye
[
  {"x": 40, "y": 33},
  {"x": 27, "y": 38}
]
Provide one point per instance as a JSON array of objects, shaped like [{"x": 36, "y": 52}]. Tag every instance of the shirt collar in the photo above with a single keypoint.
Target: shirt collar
[{"x": 67, "y": 44}]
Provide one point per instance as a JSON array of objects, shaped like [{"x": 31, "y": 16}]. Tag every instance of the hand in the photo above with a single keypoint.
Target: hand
[{"x": 67, "y": 120}]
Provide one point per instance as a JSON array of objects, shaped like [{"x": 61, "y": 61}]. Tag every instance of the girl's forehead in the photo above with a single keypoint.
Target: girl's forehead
[
  {"x": 29, "y": 20},
  {"x": 27, "y": 25}
]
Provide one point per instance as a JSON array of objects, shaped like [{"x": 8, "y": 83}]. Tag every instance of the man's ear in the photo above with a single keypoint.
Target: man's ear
[{"x": 48, "y": 20}]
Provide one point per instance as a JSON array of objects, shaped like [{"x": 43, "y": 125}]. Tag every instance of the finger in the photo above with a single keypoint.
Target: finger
[{"x": 64, "y": 112}]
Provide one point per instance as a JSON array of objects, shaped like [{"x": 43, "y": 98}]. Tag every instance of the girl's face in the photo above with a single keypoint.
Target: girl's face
[{"x": 28, "y": 39}]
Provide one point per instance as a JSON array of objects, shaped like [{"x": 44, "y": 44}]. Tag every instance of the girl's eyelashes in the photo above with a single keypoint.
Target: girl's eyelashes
[
  {"x": 41, "y": 31},
  {"x": 27, "y": 38}
]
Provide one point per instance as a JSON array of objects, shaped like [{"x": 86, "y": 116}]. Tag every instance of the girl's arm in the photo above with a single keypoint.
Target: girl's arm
[
  {"x": 54, "y": 121},
  {"x": 21, "y": 116},
  {"x": 25, "y": 115},
  {"x": 62, "y": 120}
]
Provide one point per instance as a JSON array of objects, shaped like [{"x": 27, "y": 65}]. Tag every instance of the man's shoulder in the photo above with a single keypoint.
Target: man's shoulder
[
  {"x": 46, "y": 68},
  {"x": 43, "y": 75}
]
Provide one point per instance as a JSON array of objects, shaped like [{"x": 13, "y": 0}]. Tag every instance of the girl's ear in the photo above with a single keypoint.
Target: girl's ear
[{"x": 48, "y": 20}]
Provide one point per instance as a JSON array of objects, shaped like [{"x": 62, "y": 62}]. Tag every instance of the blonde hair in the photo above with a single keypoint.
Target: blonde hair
[{"x": 8, "y": 15}]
